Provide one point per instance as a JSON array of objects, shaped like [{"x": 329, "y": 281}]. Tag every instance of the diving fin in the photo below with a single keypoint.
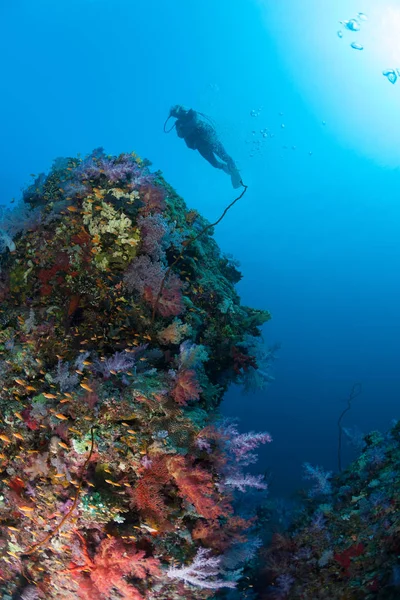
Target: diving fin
[
  {"x": 235, "y": 175},
  {"x": 236, "y": 179}
]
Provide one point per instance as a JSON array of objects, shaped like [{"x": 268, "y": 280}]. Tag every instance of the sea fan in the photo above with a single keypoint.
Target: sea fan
[{"x": 186, "y": 388}]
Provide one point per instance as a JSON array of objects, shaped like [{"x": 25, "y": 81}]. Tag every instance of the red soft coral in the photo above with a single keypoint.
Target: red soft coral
[
  {"x": 148, "y": 499},
  {"x": 344, "y": 557},
  {"x": 221, "y": 537},
  {"x": 153, "y": 199},
  {"x": 186, "y": 387},
  {"x": 113, "y": 561},
  {"x": 147, "y": 494},
  {"x": 196, "y": 485}
]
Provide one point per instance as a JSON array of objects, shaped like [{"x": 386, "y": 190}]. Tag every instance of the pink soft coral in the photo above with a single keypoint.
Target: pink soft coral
[{"x": 170, "y": 301}]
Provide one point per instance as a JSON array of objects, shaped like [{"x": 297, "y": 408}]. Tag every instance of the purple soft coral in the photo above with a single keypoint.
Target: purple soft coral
[
  {"x": 142, "y": 273},
  {"x": 119, "y": 362},
  {"x": 153, "y": 233},
  {"x": 29, "y": 593},
  {"x": 243, "y": 481},
  {"x": 122, "y": 168},
  {"x": 322, "y": 485},
  {"x": 241, "y": 445},
  {"x": 239, "y": 448}
]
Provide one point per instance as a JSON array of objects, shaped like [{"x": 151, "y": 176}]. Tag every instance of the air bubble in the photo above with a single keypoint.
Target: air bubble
[
  {"x": 356, "y": 46},
  {"x": 391, "y": 75},
  {"x": 353, "y": 25}
]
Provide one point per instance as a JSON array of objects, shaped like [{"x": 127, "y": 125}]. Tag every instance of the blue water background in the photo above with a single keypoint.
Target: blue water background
[{"x": 317, "y": 234}]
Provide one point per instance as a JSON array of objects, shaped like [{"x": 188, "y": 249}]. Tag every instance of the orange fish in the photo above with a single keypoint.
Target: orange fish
[
  {"x": 50, "y": 396},
  {"x": 4, "y": 438},
  {"x": 61, "y": 416},
  {"x": 74, "y": 430},
  {"x": 86, "y": 387}
]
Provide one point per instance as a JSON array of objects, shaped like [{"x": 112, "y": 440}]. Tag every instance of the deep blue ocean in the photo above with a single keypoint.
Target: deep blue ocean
[{"x": 313, "y": 125}]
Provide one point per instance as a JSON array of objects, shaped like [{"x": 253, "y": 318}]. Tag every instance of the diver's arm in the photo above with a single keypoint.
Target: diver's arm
[
  {"x": 180, "y": 128},
  {"x": 186, "y": 124}
]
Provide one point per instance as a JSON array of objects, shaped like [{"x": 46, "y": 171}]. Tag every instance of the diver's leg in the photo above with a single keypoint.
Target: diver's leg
[
  {"x": 230, "y": 168},
  {"x": 208, "y": 154},
  {"x": 220, "y": 151}
]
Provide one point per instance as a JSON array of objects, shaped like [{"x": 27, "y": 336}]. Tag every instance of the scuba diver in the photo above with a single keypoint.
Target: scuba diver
[{"x": 201, "y": 136}]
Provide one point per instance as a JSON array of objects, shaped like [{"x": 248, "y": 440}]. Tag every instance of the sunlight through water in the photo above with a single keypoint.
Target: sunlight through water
[{"x": 345, "y": 56}]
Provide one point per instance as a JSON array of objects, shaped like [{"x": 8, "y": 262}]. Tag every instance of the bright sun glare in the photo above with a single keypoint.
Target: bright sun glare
[
  {"x": 344, "y": 79},
  {"x": 388, "y": 34}
]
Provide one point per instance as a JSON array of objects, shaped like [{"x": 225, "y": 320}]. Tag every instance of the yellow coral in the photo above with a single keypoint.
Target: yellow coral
[
  {"x": 102, "y": 218},
  {"x": 174, "y": 333}
]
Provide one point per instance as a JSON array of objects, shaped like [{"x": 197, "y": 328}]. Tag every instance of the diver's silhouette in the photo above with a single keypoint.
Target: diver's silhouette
[{"x": 201, "y": 136}]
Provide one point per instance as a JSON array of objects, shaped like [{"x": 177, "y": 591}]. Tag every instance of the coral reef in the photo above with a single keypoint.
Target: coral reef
[
  {"x": 344, "y": 543},
  {"x": 120, "y": 331}
]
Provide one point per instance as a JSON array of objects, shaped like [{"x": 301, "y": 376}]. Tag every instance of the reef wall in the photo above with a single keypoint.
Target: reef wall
[
  {"x": 343, "y": 541},
  {"x": 119, "y": 334}
]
